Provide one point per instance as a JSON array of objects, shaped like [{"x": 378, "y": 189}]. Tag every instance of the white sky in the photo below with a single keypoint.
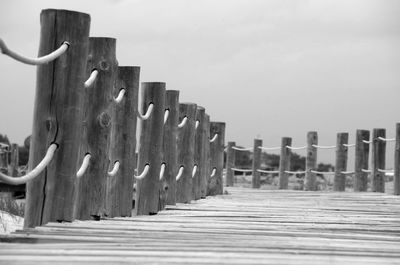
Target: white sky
[{"x": 267, "y": 68}]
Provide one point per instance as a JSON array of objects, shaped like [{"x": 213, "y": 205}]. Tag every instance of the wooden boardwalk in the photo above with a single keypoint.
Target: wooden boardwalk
[{"x": 246, "y": 226}]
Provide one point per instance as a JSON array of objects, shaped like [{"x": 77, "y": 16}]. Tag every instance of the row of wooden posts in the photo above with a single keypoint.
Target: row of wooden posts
[
  {"x": 84, "y": 121},
  {"x": 361, "y": 171}
]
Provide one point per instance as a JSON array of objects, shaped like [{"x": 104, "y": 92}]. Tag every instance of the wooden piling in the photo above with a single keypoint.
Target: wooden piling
[
  {"x": 361, "y": 161},
  {"x": 90, "y": 199},
  {"x": 199, "y": 158},
  {"x": 378, "y": 156},
  {"x": 230, "y": 163},
  {"x": 310, "y": 181},
  {"x": 215, "y": 183},
  {"x": 123, "y": 143},
  {"x": 186, "y": 138},
  {"x": 255, "y": 182},
  {"x": 205, "y": 178},
  {"x": 14, "y": 160},
  {"x": 396, "y": 178},
  {"x": 170, "y": 148},
  {"x": 57, "y": 117},
  {"x": 284, "y": 162},
  {"x": 150, "y": 148},
  {"x": 339, "y": 182}
]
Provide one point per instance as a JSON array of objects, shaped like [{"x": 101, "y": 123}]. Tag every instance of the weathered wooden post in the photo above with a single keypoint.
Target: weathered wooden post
[
  {"x": 186, "y": 133},
  {"x": 150, "y": 148},
  {"x": 170, "y": 148},
  {"x": 361, "y": 161},
  {"x": 339, "y": 182},
  {"x": 4, "y": 153},
  {"x": 310, "y": 181},
  {"x": 378, "y": 156},
  {"x": 217, "y": 146},
  {"x": 57, "y": 117},
  {"x": 230, "y": 163},
  {"x": 284, "y": 162},
  {"x": 256, "y": 163},
  {"x": 90, "y": 199},
  {"x": 199, "y": 158},
  {"x": 14, "y": 160},
  {"x": 204, "y": 178},
  {"x": 396, "y": 179},
  {"x": 123, "y": 142}
]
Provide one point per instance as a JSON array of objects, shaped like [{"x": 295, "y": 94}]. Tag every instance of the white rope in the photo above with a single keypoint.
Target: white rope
[
  {"x": 194, "y": 171},
  {"x": 367, "y": 142},
  {"x": 294, "y": 172},
  {"x": 268, "y": 171},
  {"x": 213, "y": 172},
  {"x": 241, "y": 170},
  {"x": 144, "y": 173},
  {"x": 269, "y": 148},
  {"x": 93, "y": 75},
  {"x": 324, "y": 146},
  {"x": 148, "y": 112},
  {"x": 214, "y": 138},
  {"x": 183, "y": 122},
  {"x": 84, "y": 166},
  {"x": 35, "y": 172},
  {"x": 385, "y": 170},
  {"x": 242, "y": 149},
  {"x": 34, "y": 61},
  {"x": 162, "y": 171},
  {"x": 166, "y": 115},
  {"x": 115, "y": 169},
  {"x": 323, "y": 172},
  {"x": 386, "y": 139},
  {"x": 390, "y": 174},
  {"x": 347, "y": 172},
  {"x": 349, "y": 145},
  {"x": 366, "y": 170},
  {"x": 120, "y": 96},
  {"x": 296, "y": 148},
  {"x": 197, "y": 124},
  {"x": 180, "y": 172}
]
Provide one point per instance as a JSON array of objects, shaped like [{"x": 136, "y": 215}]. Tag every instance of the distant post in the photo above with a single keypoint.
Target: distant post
[
  {"x": 217, "y": 142},
  {"x": 378, "y": 160},
  {"x": 199, "y": 158},
  {"x": 397, "y": 161},
  {"x": 339, "y": 182},
  {"x": 361, "y": 161},
  {"x": 310, "y": 182},
  {"x": 205, "y": 178},
  {"x": 230, "y": 163},
  {"x": 14, "y": 161},
  {"x": 255, "y": 182}
]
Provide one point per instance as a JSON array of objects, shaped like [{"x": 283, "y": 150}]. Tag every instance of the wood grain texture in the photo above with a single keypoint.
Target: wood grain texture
[
  {"x": 14, "y": 161},
  {"x": 230, "y": 163},
  {"x": 378, "y": 157},
  {"x": 57, "y": 116},
  {"x": 339, "y": 181},
  {"x": 207, "y": 164},
  {"x": 215, "y": 184},
  {"x": 255, "y": 181},
  {"x": 310, "y": 181},
  {"x": 199, "y": 156},
  {"x": 284, "y": 162},
  {"x": 361, "y": 161}
]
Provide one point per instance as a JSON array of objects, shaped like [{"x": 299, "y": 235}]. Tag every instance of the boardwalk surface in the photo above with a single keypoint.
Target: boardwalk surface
[{"x": 244, "y": 227}]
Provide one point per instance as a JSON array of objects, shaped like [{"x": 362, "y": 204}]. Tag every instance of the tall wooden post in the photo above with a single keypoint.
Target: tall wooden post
[
  {"x": 361, "y": 161},
  {"x": 310, "y": 181},
  {"x": 378, "y": 160},
  {"x": 215, "y": 184},
  {"x": 186, "y": 151},
  {"x": 205, "y": 178},
  {"x": 230, "y": 163},
  {"x": 339, "y": 182},
  {"x": 256, "y": 163},
  {"x": 150, "y": 148},
  {"x": 14, "y": 161},
  {"x": 199, "y": 158},
  {"x": 123, "y": 143},
  {"x": 90, "y": 199},
  {"x": 397, "y": 161},
  {"x": 284, "y": 162},
  {"x": 57, "y": 117},
  {"x": 170, "y": 148}
]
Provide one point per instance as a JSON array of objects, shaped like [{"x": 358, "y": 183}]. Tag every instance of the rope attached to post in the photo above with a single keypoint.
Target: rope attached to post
[
  {"x": 295, "y": 172},
  {"x": 367, "y": 142},
  {"x": 214, "y": 138},
  {"x": 144, "y": 173},
  {"x": 387, "y": 139},
  {"x": 324, "y": 146},
  {"x": 269, "y": 148},
  {"x": 115, "y": 169},
  {"x": 148, "y": 112},
  {"x": 268, "y": 171},
  {"x": 90, "y": 81},
  {"x": 34, "y": 61},
  {"x": 166, "y": 115},
  {"x": 323, "y": 172},
  {"x": 347, "y": 172},
  {"x": 213, "y": 172},
  {"x": 35, "y": 172},
  {"x": 194, "y": 171},
  {"x": 84, "y": 166},
  {"x": 197, "y": 124},
  {"x": 162, "y": 171},
  {"x": 385, "y": 170},
  {"x": 296, "y": 148},
  {"x": 349, "y": 145},
  {"x": 183, "y": 122},
  {"x": 241, "y": 170},
  {"x": 366, "y": 170},
  {"x": 242, "y": 149},
  {"x": 120, "y": 96},
  {"x": 180, "y": 172}
]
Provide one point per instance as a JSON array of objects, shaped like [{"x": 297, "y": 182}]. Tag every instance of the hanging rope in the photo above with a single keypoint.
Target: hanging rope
[
  {"x": 385, "y": 170},
  {"x": 34, "y": 61},
  {"x": 349, "y": 145},
  {"x": 387, "y": 139},
  {"x": 366, "y": 170},
  {"x": 194, "y": 171},
  {"x": 242, "y": 149},
  {"x": 268, "y": 171},
  {"x": 241, "y": 170},
  {"x": 166, "y": 114},
  {"x": 162, "y": 171},
  {"x": 180, "y": 172},
  {"x": 183, "y": 122},
  {"x": 144, "y": 173},
  {"x": 120, "y": 96},
  {"x": 84, "y": 166},
  {"x": 367, "y": 142},
  {"x": 213, "y": 172},
  {"x": 324, "y": 146},
  {"x": 93, "y": 76},
  {"x": 115, "y": 169},
  {"x": 323, "y": 172},
  {"x": 295, "y": 172},
  {"x": 35, "y": 172},
  {"x": 296, "y": 148},
  {"x": 269, "y": 148},
  {"x": 347, "y": 172},
  {"x": 197, "y": 124},
  {"x": 148, "y": 112},
  {"x": 214, "y": 138}
]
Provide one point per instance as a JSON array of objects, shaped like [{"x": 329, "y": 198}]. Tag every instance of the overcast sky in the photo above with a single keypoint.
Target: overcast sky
[{"x": 266, "y": 68}]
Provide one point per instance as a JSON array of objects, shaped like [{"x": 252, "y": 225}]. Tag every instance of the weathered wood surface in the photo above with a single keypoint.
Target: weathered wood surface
[
  {"x": 284, "y": 162},
  {"x": 215, "y": 183},
  {"x": 378, "y": 155},
  {"x": 255, "y": 181},
  {"x": 361, "y": 161},
  {"x": 245, "y": 227},
  {"x": 341, "y": 161},
  {"x": 310, "y": 181}
]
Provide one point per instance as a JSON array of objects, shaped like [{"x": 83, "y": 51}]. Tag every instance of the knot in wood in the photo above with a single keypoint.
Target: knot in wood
[{"x": 104, "y": 119}]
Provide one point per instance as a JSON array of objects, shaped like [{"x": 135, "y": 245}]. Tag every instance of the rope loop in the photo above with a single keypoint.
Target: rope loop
[
  {"x": 144, "y": 173},
  {"x": 385, "y": 170},
  {"x": 115, "y": 169},
  {"x": 213, "y": 172},
  {"x": 147, "y": 115},
  {"x": 93, "y": 76},
  {"x": 296, "y": 148},
  {"x": 295, "y": 172},
  {"x": 324, "y": 146},
  {"x": 120, "y": 96},
  {"x": 366, "y": 170},
  {"x": 180, "y": 173},
  {"x": 162, "y": 171},
  {"x": 214, "y": 138},
  {"x": 242, "y": 149},
  {"x": 268, "y": 171},
  {"x": 197, "y": 124},
  {"x": 194, "y": 171},
  {"x": 166, "y": 115},
  {"x": 367, "y": 142},
  {"x": 347, "y": 172},
  {"x": 269, "y": 148},
  {"x": 183, "y": 122},
  {"x": 387, "y": 139},
  {"x": 84, "y": 166},
  {"x": 349, "y": 145},
  {"x": 323, "y": 172},
  {"x": 244, "y": 170}
]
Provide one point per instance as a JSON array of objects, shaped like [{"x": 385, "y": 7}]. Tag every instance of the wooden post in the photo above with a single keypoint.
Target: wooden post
[
  {"x": 205, "y": 177},
  {"x": 378, "y": 160},
  {"x": 310, "y": 181},
  {"x": 256, "y": 163},
  {"x": 14, "y": 161},
  {"x": 186, "y": 151},
  {"x": 199, "y": 158},
  {"x": 284, "y": 163},
  {"x": 57, "y": 117},
  {"x": 230, "y": 163},
  {"x": 150, "y": 150},
  {"x": 215, "y": 184},
  {"x": 90, "y": 199},
  {"x": 123, "y": 143},
  {"x": 170, "y": 148},
  {"x": 361, "y": 161},
  {"x": 4, "y": 152},
  {"x": 396, "y": 179},
  {"x": 341, "y": 162}
]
